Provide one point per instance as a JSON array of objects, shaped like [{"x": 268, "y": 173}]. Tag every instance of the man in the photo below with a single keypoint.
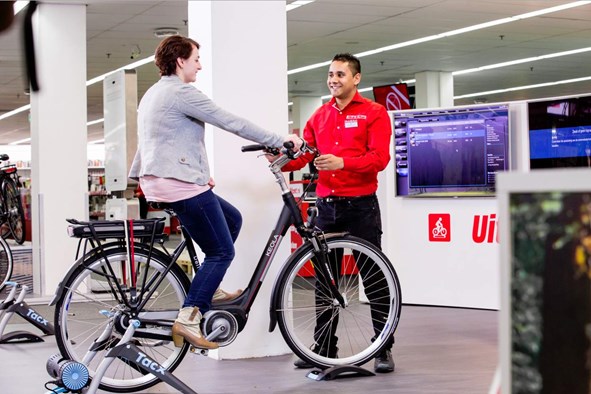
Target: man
[{"x": 353, "y": 135}]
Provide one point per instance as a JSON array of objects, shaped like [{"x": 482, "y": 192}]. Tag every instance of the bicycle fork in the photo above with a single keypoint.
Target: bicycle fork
[{"x": 320, "y": 253}]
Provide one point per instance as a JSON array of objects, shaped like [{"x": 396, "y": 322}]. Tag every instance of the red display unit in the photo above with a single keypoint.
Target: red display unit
[{"x": 394, "y": 97}]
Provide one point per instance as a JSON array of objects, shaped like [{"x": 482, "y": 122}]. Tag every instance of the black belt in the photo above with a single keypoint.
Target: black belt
[
  {"x": 331, "y": 199},
  {"x": 158, "y": 205}
]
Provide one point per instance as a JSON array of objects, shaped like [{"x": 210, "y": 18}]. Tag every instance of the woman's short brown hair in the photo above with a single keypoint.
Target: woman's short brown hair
[{"x": 170, "y": 49}]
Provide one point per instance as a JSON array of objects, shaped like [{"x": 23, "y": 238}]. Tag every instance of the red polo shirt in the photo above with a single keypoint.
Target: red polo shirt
[{"x": 360, "y": 134}]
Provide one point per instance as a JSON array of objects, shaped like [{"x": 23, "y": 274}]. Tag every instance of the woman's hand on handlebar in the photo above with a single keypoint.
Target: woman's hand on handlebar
[
  {"x": 295, "y": 140},
  {"x": 291, "y": 142}
]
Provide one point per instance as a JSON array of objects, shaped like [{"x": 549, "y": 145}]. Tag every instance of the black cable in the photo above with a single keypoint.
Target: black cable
[
  {"x": 50, "y": 389},
  {"x": 29, "y": 44}
]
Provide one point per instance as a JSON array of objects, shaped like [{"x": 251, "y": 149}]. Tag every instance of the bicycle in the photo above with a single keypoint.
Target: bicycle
[
  {"x": 12, "y": 213},
  {"x": 6, "y": 263},
  {"x": 129, "y": 278}
]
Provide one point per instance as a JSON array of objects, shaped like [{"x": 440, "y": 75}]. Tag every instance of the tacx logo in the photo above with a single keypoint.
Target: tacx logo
[
  {"x": 150, "y": 364},
  {"x": 439, "y": 227},
  {"x": 35, "y": 316}
]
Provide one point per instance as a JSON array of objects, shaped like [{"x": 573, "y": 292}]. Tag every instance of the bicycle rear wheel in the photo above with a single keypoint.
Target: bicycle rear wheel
[
  {"x": 90, "y": 290},
  {"x": 6, "y": 263},
  {"x": 15, "y": 215},
  {"x": 310, "y": 319}
]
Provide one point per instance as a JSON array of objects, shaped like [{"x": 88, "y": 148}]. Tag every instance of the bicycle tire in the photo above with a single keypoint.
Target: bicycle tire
[
  {"x": 6, "y": 263},
  {"x": 15, "y": 215},
  {"x": 87, "y": 291},
  {"x": 358, "y": 340}
]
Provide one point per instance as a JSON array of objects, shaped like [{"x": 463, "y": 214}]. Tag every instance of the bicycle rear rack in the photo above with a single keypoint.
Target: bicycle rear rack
[{"x": 12, "y": 305}]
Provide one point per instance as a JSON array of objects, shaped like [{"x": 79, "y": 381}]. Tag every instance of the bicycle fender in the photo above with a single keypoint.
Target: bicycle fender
[
  {"x": 274, "y": 304},
  {"x": 60, "y": 287}
]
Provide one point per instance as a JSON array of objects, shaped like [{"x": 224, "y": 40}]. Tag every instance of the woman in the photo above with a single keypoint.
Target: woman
[{"x": 171, "y": 166}]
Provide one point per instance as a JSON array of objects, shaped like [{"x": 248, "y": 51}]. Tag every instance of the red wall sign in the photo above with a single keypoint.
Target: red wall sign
[{"x": 439, "y": 227}]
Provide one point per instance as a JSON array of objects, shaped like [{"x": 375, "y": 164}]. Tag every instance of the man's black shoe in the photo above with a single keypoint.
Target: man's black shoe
[
  {"x": 332, "y": 353},
  {"x": 384, "y": 362}
]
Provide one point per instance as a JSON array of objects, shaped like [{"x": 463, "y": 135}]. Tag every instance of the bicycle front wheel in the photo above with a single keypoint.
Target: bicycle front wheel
[
  {"x": 315, "y": 326},
  {"x": 6, "y": 264},
  {"x": 91, "y": 307},
  {"x": 15, "y": 215}
]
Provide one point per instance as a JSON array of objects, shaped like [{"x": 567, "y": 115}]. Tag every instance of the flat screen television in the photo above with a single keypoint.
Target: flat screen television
[
  {"x": 560, "y": 132},
  {"x": 450, "y": 152},
  {"x": 394, "y": 97}
]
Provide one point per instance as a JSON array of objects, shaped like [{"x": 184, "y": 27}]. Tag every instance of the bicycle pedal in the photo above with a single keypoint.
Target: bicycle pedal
[{"x": 203, "y": 352}]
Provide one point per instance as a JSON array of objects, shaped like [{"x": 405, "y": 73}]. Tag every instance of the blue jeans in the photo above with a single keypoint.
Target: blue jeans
[{"x": 214, "y": 224}]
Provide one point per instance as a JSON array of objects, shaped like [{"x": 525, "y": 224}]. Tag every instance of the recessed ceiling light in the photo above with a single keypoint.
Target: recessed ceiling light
[{"x": 163, "y": 32}]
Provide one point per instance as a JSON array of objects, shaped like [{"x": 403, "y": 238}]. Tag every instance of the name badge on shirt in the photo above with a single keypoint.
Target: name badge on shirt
[{"x": 350, "y": 123}]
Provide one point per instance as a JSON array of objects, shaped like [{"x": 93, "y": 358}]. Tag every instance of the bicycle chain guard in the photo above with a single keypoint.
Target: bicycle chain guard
[{"x": 220, "y": 327}]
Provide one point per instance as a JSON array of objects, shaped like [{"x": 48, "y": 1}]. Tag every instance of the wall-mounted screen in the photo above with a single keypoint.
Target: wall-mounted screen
[
  {"x": 394, "y": 97},
  {"x": 560, "y": 133},
  {"x": 450, "y": 152}
]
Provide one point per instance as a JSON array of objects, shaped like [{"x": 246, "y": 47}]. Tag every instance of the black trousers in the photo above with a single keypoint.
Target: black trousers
[{"x": 359, "y": 217}]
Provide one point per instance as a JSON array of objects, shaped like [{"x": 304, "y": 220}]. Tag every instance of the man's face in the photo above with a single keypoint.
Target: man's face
[{"x": 341, "y": 81}]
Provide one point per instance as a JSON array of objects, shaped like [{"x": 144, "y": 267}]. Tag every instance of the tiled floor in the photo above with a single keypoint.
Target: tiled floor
[{"x": 438, "y": 350}]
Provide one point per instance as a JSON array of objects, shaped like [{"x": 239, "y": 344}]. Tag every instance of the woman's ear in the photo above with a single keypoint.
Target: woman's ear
[{"x": 180, "y": 62}]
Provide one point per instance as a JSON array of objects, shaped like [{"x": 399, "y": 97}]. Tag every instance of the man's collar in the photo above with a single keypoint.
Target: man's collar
[{"x": 356, "y": 98}]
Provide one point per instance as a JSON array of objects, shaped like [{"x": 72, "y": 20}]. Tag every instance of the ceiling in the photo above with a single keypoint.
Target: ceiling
[{"x": 315, "y": 32}]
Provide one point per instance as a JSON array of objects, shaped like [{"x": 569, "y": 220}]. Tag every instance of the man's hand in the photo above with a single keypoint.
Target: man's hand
[{"x": 329, "y": 162}]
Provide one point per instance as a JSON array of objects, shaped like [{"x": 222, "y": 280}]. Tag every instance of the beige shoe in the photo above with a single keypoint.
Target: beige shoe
[
  {"x": 186, "y": 326},
  {"x": 223, "y": 296}
]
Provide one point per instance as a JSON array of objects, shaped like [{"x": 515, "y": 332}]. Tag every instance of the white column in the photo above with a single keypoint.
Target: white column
[
  {"x": 301, "y": 110},
  {"x": 244, "y": 58},
  {"x": 434, "y": 89},
  {"x": 58, "y": 139}
]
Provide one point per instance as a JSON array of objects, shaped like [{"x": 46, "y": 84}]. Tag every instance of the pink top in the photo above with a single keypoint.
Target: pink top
[{"x": 169, "y": 189}]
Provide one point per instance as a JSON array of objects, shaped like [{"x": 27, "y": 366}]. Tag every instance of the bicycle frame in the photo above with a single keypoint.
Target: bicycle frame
[
  {"x": 289, "y": 215},
  {"x": 240, "y": 307}
]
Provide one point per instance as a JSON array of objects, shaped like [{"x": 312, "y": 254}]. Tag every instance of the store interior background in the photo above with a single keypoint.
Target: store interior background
[
  {"x": 532, "y": 58},
  {"x": 120, "y": 34},
  {"x": 513, "y": 50},
  {"x": 123, "y": 32}
]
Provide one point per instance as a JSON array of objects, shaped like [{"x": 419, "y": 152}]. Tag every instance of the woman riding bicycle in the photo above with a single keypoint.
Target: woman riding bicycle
[{"x": 172, "y": 167}]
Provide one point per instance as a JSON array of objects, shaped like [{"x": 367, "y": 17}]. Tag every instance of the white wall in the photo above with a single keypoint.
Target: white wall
[
  {"x": 465, "y": 271},
  {"x": 244, "y": 59}
]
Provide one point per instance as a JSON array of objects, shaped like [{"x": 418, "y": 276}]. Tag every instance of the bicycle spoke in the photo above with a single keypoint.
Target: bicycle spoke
[
  {"x": 310, "y": 319},
  {"x": 89, "y": 291}
]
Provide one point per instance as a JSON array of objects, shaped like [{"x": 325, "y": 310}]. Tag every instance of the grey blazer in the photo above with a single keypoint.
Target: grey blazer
[{"x": 171, "y": 118}]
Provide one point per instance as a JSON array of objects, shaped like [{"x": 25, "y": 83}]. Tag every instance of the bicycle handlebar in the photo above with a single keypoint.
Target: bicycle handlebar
[
  {"x": 287, "y": 149},
  {"x": 253, "y": 148}
]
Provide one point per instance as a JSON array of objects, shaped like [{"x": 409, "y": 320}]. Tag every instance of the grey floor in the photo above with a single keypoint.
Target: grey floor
[{"x": 438, "y": 350}]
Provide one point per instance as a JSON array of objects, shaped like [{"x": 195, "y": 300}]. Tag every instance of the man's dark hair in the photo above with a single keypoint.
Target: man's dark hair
[
  {"x": 170, "y": 49},
  {"x": 354, "y": 63}
]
